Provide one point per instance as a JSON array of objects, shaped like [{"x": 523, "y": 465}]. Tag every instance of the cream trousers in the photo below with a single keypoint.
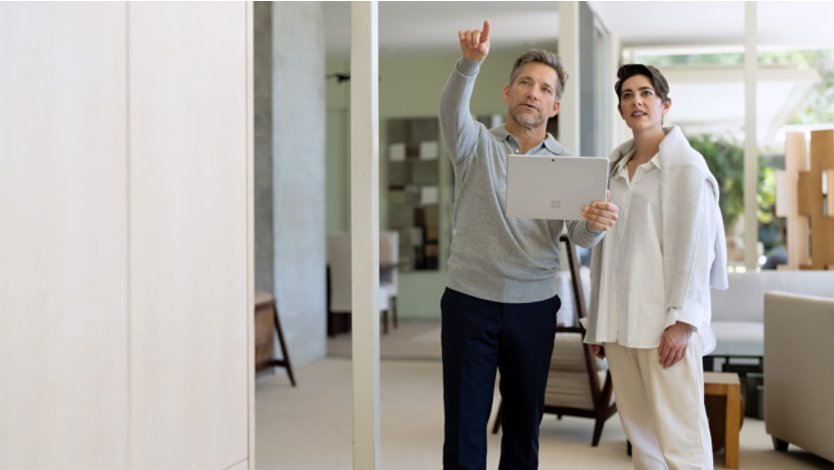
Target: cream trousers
[{"x": 662, "y": 410}]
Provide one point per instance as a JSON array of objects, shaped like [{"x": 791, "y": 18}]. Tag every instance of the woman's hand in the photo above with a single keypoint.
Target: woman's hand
[
  {"x": 674, "y": 343},
  {"x": 601, "y": 215},
  {"x": 598, "y": 351}
]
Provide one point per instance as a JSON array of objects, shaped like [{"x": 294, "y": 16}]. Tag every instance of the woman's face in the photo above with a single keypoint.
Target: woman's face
[{"x": 640, "y": 106}]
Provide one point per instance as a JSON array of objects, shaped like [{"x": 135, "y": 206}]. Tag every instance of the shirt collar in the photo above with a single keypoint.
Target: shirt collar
[
  {"x": 551, "y": 144},
  {"x": 501, "y": 134},
  {"x": 623, "y": 161}
]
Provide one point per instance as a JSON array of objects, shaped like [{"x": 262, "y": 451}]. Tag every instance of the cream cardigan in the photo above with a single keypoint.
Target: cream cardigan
[{"x": 682, "y": 179}]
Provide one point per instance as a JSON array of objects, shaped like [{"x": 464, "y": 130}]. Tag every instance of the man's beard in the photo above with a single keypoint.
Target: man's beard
[{"x": 526, "y": 120}]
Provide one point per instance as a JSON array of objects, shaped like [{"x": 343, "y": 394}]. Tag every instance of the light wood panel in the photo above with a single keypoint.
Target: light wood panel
[
  {"x": 822, "y": 226},
  {"x": 788, "y": 201},
  {"x": 191, "y": 259},
  {"x": 241, "y": 466},
  {"x": 63, "y": 238}
]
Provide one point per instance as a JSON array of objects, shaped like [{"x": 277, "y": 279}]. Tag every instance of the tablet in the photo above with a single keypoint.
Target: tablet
[{"x": 556, "y": 188}]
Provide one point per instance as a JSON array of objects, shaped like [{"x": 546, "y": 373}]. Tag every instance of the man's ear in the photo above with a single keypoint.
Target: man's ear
[
  {"x": 506, "y": 94},
  {"x": 556, "y": 106}
]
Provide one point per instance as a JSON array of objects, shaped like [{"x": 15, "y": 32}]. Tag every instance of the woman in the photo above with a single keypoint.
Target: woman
[{"x": 651, "y": 278}]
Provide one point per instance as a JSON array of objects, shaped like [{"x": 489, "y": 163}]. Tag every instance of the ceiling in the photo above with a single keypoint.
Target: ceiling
[
  {"x": 429, "y": 28},
  {"x": 704, "y": 99}
]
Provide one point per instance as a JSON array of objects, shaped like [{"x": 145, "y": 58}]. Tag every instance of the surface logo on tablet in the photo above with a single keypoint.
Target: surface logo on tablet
[{"x": 555, "y": 204}]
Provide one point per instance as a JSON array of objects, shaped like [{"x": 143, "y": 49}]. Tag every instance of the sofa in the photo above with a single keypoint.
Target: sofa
[
  {"x": 799, "y": 371},
  {"x": 738, "y": 312}
]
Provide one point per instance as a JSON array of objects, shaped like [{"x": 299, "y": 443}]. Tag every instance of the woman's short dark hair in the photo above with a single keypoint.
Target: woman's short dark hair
[{"x": 659, "y": 83}]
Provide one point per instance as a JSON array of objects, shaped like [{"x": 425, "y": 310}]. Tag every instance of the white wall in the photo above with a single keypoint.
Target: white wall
[{"x": 125, "y": 236}]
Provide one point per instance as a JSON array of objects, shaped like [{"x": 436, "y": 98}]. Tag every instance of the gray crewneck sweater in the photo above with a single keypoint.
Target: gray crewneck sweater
[{"x": 494, "y": 257}]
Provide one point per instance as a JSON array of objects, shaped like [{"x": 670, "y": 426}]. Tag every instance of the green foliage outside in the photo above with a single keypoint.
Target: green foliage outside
[{"x": 725, "y": 160}]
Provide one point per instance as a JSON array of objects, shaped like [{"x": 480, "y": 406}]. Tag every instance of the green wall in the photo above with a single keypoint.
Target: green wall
[{"x": 409, "y": 87}]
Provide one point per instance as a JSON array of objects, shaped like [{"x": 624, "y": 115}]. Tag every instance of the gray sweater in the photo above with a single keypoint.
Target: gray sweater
[{"x": 494, "y": 257}]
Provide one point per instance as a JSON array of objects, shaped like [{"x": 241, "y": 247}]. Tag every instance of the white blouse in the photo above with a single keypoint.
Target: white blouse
[{"x": 632, "y": 308}]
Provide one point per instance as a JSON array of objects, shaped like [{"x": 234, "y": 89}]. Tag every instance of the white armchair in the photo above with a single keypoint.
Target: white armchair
[
  {"x": 389, "y": 267},
  {"x": 799, "y": 372},
  {"x": 340, "y": 289}
]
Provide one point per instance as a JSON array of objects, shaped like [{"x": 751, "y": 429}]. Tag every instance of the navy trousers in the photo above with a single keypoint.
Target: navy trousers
[{"x": 478, "y": 337}]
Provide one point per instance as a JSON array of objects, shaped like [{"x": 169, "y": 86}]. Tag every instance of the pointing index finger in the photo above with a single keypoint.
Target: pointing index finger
[{"x": 485, "y": 33}]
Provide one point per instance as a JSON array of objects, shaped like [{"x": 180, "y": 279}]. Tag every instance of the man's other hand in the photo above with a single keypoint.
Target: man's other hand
[
  {"x": 598, "y": 351},
  {"x": 475, "y": 43},
  {"x": 601, "y": 215}
]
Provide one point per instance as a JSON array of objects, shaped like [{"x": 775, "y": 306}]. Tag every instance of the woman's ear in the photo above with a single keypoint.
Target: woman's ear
[{"x": 667, "y": 105}]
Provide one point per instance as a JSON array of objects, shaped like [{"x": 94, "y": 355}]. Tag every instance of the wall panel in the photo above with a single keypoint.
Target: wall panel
[
  {"x": 188, "y": 203},
  {"x": 63, "y": 236}
]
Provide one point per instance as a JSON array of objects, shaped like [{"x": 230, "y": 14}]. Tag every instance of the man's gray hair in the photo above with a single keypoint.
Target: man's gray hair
[{"x": 544, "y": 57}]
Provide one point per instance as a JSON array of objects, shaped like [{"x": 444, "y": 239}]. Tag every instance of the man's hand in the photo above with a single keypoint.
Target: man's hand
[
  {"x": 674, "y": 343},
  {"x": 598, "y": 351},
  {"x": 475, "y": 43},
  {"x": 601, "y": 215}
]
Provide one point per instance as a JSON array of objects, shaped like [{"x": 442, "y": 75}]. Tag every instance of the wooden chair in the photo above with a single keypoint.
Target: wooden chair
[
  {"x": 579, "y": 384},
  {"x": 266, "y": 324}
]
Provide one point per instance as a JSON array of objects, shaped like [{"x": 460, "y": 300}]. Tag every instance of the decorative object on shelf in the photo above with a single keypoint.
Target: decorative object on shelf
[
  {"x": 803, "y": 197},
  {"x": 414, "y": 191}
]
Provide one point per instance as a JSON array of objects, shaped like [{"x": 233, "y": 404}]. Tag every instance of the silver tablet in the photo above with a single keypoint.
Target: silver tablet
[{"x": 542, "y": 187}]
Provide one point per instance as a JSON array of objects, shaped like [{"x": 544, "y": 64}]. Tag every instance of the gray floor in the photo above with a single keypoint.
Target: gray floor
[{"x": 309, "y": 427}]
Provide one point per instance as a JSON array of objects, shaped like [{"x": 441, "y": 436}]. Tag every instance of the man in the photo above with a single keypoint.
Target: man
[{"x": 499, "y": 308}]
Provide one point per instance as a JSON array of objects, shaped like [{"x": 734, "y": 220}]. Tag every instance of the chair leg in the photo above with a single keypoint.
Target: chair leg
[
  {"x": 780, "y": 445},
  {"x": 331, "y": 324},
  {"x": 385, "y": 322},
  {"x": 600, "y": 422},
  {"x": 286, "y": 362},
  {"x": 498, "y": 416},
  {"x": 394, "y": 310},
  {"x": 602, "y": 408}
]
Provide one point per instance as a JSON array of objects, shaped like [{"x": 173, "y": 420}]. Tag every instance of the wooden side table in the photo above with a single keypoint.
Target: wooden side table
[
  {"x": 722, "y": 394},
  {"x": 267, "y": 324}
]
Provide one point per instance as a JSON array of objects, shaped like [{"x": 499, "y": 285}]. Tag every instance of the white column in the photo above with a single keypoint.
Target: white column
[
  {"x": 751, "y": 161},
  {"x": 616, "y": 121},
  {"x": 569, "y": 52},
  {"x": 364, "y": 115}
]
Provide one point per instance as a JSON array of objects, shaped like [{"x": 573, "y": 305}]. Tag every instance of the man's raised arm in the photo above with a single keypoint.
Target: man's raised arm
[{"x": 459, "y": 131}]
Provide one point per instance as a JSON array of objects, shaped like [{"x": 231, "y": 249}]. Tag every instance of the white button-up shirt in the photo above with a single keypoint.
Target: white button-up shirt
[{"x": 632, "y": 308}]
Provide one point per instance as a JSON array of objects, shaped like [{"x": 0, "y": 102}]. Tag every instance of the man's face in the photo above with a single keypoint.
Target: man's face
[{"x": 532, "y": 97}]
